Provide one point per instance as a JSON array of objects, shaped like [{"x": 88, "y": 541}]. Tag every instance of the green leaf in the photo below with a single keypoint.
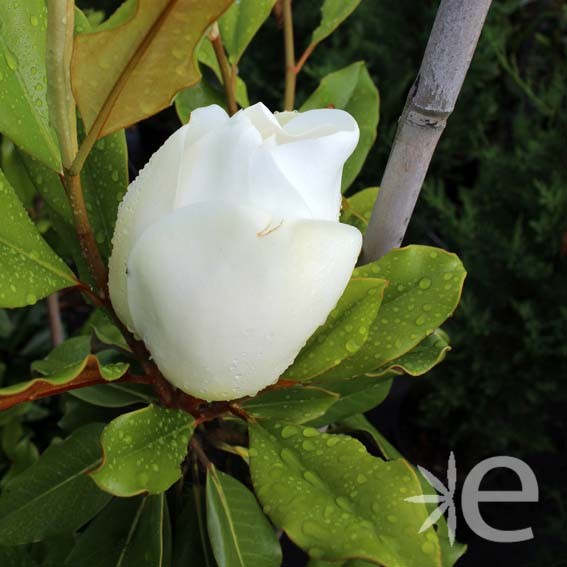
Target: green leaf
[
  {"x": 23, "y": 454},
  {"x": 240, "y": 23},
  {"x": 351, "y": 89},
  {"x": 77, "y": 413},
  {"x": 357, "y": 209},
  {"x": 54, "y": 551},
  {"x": 23, "y": 82},
  {"x": 424, "y": 290},
  {"x": 16, "y": 557},
  {"x": 202, "y": 94},
  {"x": 16, "y": 173},
  {"x": 190, "y": 543},
  {"x": 240, "y": 534},
  {"x": 29, "y": 269},
  {"x": 105, "y": 331},
  {"x": 6, "y": 325},
  {"x": 143, "y": 451},
  {"x": 295, "y": 405},
  {"x": 354, "y": 563},
  {"x": 421, "y": 359},
  {"x": 69, "y": 363},
  {"x": 55, "y": 495},
  {"x": 130, "y": 532},
  {"x": 343, "y": 333},
  {"x": 333, "y": 13},
  {"x": 142, "y": 56},
  {"x": 356, "y": 395},
  {"x": 115, "y": 395},
  {"x": 450, "y": 553},
  {"x": 104, "y": 181},
  {"x": 336, "y": 501}
]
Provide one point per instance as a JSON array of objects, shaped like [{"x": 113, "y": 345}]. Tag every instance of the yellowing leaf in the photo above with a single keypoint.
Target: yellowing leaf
[{"x": 132, "y": 66}]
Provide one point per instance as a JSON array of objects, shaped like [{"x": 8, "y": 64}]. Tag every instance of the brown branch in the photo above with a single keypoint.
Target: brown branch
[
  {"x": 55, "y": 324},
  {"x": 306, "y": 54},
  {"x": 228, "y": 77},
  {"x": 89, "y": 247},
  {"x": 290, "y": 73},
  {"x": 197, "y": 449}
]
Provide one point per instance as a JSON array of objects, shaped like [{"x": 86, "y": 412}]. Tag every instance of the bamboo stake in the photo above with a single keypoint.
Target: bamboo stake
[{"x": 431, "y": 100}]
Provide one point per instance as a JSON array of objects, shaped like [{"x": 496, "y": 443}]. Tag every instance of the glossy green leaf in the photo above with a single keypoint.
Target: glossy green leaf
[
  {"x": 29, "y": 269},
  {"x": 23, "y": 82},
  {"x": 356, "y": 395},
  {"x": 240, "y": 23},
  {"x": 115, "y": 395},
  {"x": 344, "y": 332},
  {"x": 69, "y": 362},
  {"x": 142, "y": 56},
  {"x": 202, "y": 94},
  {"x": 104, "y": 181},
  {"x": 77, "y": 413},
  {"x": 333, "y": 13},
  {"x": 104, "y": 330},
  {"x": 424, "y": 290},
  {"x": 55, "y": 495},
  {"x": 357, "y": 209},
  {"x": 450, "y": 553},
  {"x": 130, "y": 532},
  {"x": 240, "y": 534},
  {"x": 190, "y": 542},
  {"x": 16, "y": 173},
  {"x": 336, "y": 501},
  {"x": 143, "y": 451},
  {"x": 295, "y": 405},
  {"x": 351, "y": 89},
  {"x": 422, "y": 358}
]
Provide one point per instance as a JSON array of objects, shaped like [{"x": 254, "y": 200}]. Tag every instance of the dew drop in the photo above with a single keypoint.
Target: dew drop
[
  {"x": 428, "y": 547},
  {"x": 424, "y": 283}
]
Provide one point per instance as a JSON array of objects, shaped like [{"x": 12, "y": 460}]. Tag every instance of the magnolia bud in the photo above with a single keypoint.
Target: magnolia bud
[{"x": 228, "y": 253}]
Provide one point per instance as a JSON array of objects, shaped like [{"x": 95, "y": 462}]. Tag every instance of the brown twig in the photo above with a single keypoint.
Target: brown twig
[
  {"x": 228, "y": 77},
  {"x": 197, "y": 449},
  {"x": 306, "y": 54},
  {"x": 55, "y": 324},
  {"x": 89, "y": 247},
  {"x": 290, "y": 74}
]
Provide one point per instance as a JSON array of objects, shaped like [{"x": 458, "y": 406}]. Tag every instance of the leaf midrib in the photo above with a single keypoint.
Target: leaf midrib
[
  {"x": 52, "y": 489},
  {"x": 45, "y": 265}
]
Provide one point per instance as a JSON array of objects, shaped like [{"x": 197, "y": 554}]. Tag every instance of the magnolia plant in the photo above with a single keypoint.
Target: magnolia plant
[{"x": 214, "y": 398}]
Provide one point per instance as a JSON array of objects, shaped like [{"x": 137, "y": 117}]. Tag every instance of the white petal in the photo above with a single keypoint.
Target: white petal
[
  {"x": 151, "y": 195},
  {"x": 223, "y": 307},
  {"x": 313, "y": 162}
]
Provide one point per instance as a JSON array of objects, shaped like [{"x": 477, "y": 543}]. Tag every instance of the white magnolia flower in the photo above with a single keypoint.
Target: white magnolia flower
[{"x": 228, "y": 253}]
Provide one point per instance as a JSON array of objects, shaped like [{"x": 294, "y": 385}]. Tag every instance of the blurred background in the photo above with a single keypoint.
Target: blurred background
[{"x": 496, "y": 194}]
